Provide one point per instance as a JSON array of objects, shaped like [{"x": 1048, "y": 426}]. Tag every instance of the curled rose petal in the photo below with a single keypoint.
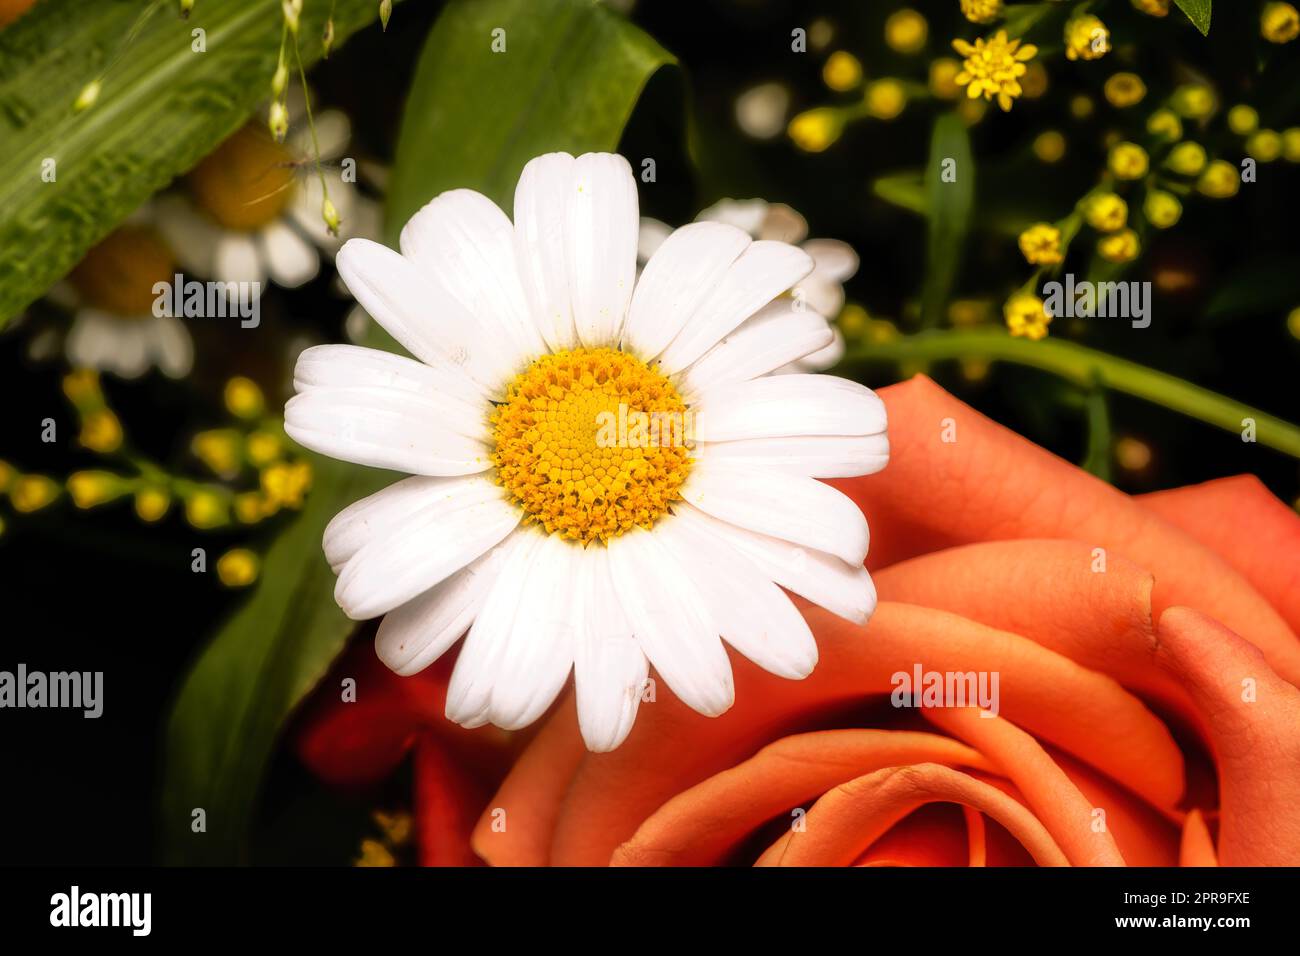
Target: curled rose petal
[{"x": 851, "y": 817}]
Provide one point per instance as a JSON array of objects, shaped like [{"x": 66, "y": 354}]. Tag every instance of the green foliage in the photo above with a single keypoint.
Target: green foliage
[
  {"x": 571, "y": 75},
  {"x": 1198, "y": 11},
  {"x": 950, "y": 204},
  {"x": 161, "y": 107}
]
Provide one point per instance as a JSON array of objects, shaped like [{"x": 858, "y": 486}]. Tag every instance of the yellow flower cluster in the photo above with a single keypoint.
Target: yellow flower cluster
[{"x": 993, "y": 67}]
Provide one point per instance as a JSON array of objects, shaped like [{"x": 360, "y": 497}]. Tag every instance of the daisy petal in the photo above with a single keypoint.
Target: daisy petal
[
  {"x": 465, "y": 244},
  {"x": 797, "y": 509},
  {"x": 679, "y": 277},
  {"x": 773, "y": 337},
  {"x": 419, "y": 632},
  {"x": 610, "y": 669},
  {"x": 235, "y": 259},
  {"x": 367, "y": 518},
  {"x": 390, "y": 428},
  {"x": 752, "y": 614},
  {"x": 291, "y": 259},
  {"x": 821, "y": 578},
  {"x": 787, "y": 405},
  {"x": 601, "y": 225},
  {"x": 424, "y": 317},
  {"x": 759, "y": 275},
  {"x": 834, "y": 260},
  {"x": 539, "y": 650},
  {"x": 817, "y": 456},
  {"x": 467, "y": 517},
  {"x": 541, "y": 200},
  {"x": 671, "y": 622},
  {"x": 343, "y": 366}
]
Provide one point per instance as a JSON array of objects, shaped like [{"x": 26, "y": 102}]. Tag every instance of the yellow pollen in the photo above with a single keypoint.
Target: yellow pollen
[{"x": 573, "y": 449}]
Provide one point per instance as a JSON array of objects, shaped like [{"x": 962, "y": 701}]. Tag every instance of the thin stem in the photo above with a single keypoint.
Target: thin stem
[{"x": 1084, "y": 366}]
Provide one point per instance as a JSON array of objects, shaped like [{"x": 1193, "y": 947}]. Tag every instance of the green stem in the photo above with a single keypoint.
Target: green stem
[{"x": 1084, "y": 366}]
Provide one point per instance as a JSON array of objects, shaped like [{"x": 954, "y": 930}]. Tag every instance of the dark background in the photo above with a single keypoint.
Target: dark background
[{"x": 100, "y": 591}]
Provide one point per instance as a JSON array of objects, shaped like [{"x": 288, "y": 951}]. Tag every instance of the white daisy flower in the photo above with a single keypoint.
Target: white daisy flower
[
  {"x": 822, "y": 290},
  {"x": 254, "y": 208},
  {"x": 111, "y": 295},
  {"x": 561, "y": 541}
]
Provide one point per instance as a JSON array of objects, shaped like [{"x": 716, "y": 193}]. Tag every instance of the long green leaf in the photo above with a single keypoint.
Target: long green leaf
[
  {"x": 950, "y": 188},
  {"x": 1198, "y": 11},
  {"x": 569, "y": 78},
  {"x": 162, "y": 106}
]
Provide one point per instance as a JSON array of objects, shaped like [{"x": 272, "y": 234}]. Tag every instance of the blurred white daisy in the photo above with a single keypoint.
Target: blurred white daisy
[
  {"x": 110, "y": 294},
  {"x": 544, "y": 517},
  {"x": 253, "y": 207},
  {"x": 834, "y": 262}
]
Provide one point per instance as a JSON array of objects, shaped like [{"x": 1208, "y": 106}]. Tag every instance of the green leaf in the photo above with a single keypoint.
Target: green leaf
[
  {"x": 1198, "y": 11},
  {"x": 161, "y": 108},
  {"x": 905, "y": 190},
  {"x": 569, "y": 78},
  {"x": 1097, "y": 459},
  {"x": 950, "y": 191}
]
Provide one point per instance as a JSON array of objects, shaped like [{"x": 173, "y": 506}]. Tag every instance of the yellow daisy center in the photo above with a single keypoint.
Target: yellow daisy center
[
  {"x": 592, "y": 443},
  {"x": 247, "y": 182},
  {"x": 119, "y": 274}
]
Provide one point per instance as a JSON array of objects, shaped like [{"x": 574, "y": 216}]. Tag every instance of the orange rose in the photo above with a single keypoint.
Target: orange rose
[{"x": 1133, "y": 724}]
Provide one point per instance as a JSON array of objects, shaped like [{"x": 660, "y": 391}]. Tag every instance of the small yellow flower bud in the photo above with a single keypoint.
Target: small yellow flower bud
[
  {"x": 151, "y": 504},
  {"x": 219, "y": 449},
  {"x": 853, "y": 320},
  {"x": 187, "y": 7},
  {"x": 1220, "y": 180},
  {"x": 1152, "y": 8},
  {"x": 1293, "y": 322},
  {"x": 1081, "y": 106},
  {"x": 1049, "y": 146},
  {"x": 885, "y": 99},
  {"x": 30, "y": 493},
  {"x": 82, "y": 388},
  {"x": 238, "y": 568},
  {"x": 1291, "y": 144},
  {"x": 1264, "y": 145},
  {"x": 375, "y": 854},
  {"x": 1279, "y": 22},
  {"x": 91, "y": 488},
  {"x": 251, "y": 507},
  {"x": 1040, "y": 244},
  {"x": 278, "y": 121},
  {"x": 1119, "y": 247},
  {"x": 87, "y": 97},
  {"x": 262, "y": 448},
  {"x": 816, "y": 129},
  {"x": 1243, "y": 120},
  {"x": 331, "y": 216},
  {"x": 1165, "y": 124},
  {"x": 1035, "y": 81},
  {"x": 6, "y": 475},
  {"x": 1125, "y": 89},
  {"x": 385, "y": 11},
  {"x": 101, "y": 432},
  {"x": 1106, "y": 212},
  {"x": 243, "y": 398},
  {"x": 1187, "y": 159},
  {"x": 1162, "y": 209},
  {"x": 943, "y": 78},
  {"x": 1132, "y": 454},
  {"x": 205, "y": 509},
  {"x": 1129, "y": 161},
  {"x": 1026, "y": 316},
  {"x": 1193, "y": 101},
  {"x": 286, "y": 484},
  {"x": 842, "y": 71},
  {"x": 981, "y": 11},
  {"x": 906, "y": 31},
  {"x": 1086, "y": 38}
]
